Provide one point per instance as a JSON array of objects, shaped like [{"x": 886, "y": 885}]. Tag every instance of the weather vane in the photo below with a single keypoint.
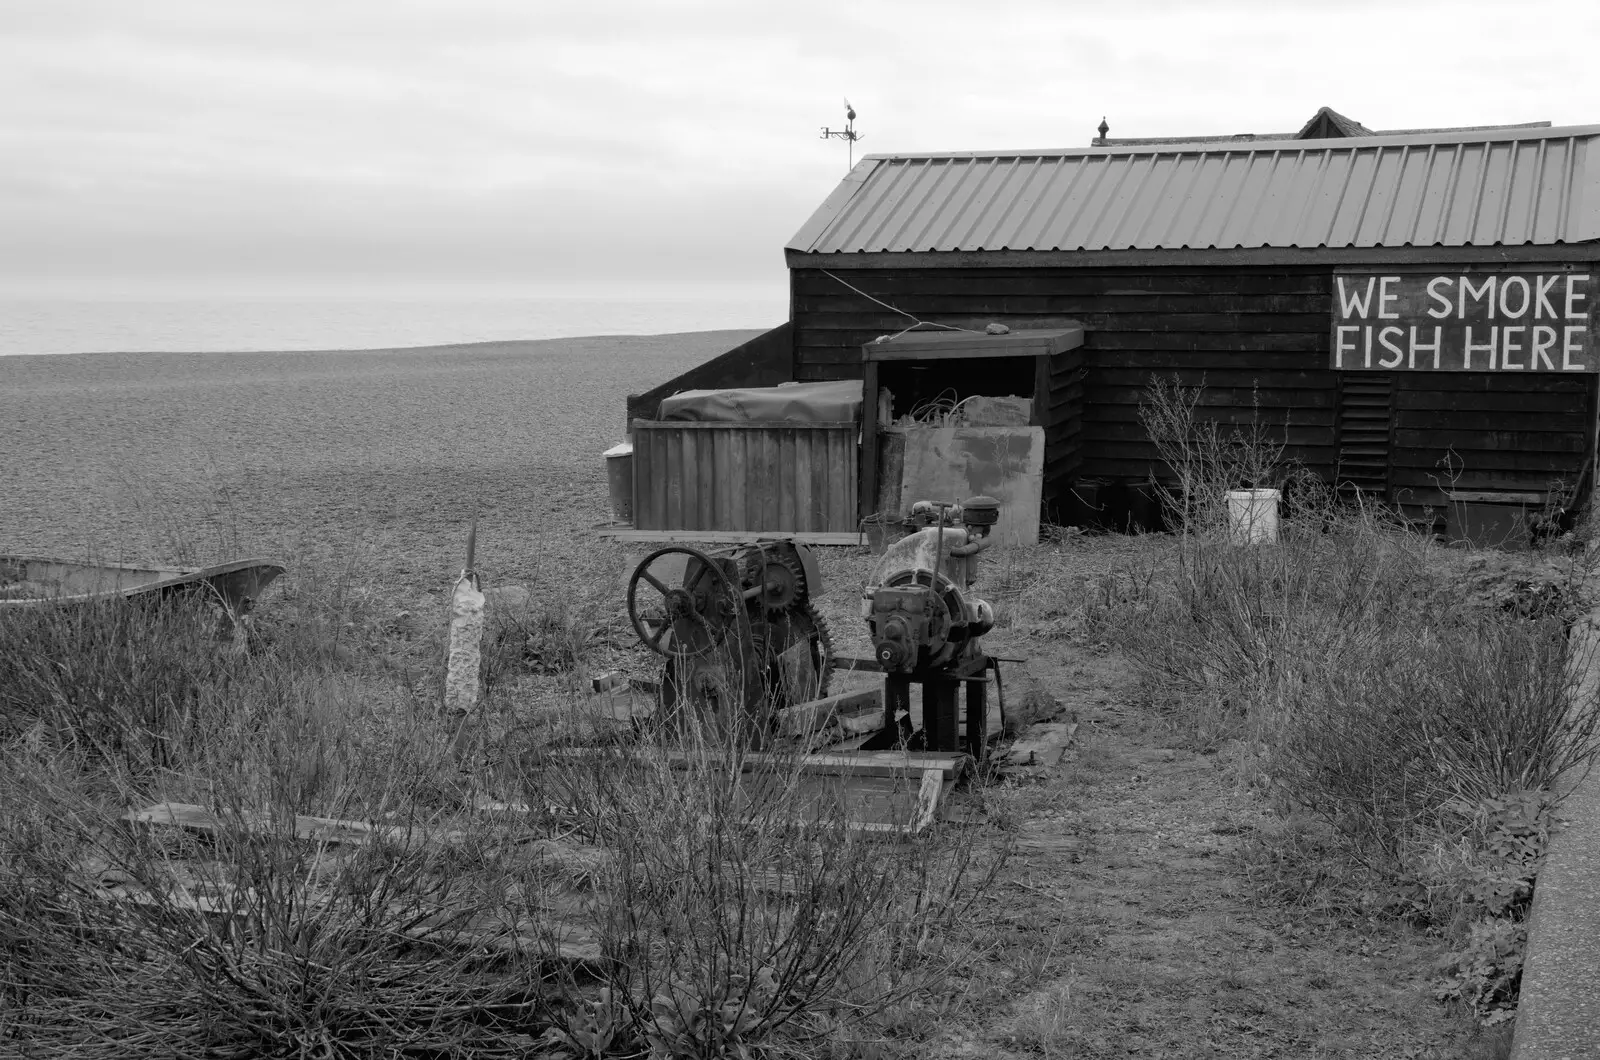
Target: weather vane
[{"x": 848, "y": 134}]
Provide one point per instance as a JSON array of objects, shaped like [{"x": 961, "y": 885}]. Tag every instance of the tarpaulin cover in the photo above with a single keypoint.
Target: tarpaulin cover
[{"x": 832, "y": 402}]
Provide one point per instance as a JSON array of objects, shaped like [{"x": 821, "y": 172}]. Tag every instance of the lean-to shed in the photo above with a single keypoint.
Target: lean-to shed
[{"x": 1413, "y": 312}]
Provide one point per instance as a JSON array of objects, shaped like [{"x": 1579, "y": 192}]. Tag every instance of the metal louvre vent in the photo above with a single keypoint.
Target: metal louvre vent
[{"x": 1366, "y": 412}]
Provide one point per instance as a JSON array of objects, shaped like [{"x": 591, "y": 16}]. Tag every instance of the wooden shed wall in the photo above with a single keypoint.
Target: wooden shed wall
[
  {"x": 1256, "y": 337},
  {"x": 756, "y": 477}
]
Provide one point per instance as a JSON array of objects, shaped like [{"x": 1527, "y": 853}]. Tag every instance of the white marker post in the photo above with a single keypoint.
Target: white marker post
[{"x": 465, "y": 654}]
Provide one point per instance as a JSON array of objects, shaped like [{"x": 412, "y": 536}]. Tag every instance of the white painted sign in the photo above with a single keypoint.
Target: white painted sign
[{"x": 1464, "y": 321}]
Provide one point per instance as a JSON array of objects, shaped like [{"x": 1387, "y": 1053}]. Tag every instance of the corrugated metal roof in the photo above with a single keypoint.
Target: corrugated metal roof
[{"x": 1519, "y": 186}]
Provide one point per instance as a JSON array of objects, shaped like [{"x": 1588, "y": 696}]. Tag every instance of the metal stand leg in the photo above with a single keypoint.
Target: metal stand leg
[
  {"x": 939, "y": 713},
  {"x": 896, "y": 704},
  {"x": 977, "y": 719}
]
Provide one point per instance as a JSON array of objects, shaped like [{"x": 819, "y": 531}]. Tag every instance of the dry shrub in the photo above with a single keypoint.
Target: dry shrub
[
  {"x": 1207, "y": 458},
  {"x": 1346, "y": 650},
  {"x": 123, "y": 680},
  {"x": 1456, "y": 713},
  {"x": 249, "y": 942},
  {"x": 1421, "y": 706},
  {"x": 1236, "y": 634},
  {"x": 740, "y": 913},
  {"x": 737, "y": 913}
]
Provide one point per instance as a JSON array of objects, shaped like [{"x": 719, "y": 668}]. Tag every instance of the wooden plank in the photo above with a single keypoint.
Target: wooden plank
[
  {"x": 1497, "y": 497},
  {"x": 812, "y": 450},
  {"x": 794, "y": 457},
  {"x": 643, "y": 509},
  {"x": 894, "y": 764},
  {"x": 1466, "y": 401},
  {"x": 1432, "y": 458},
  {"x": 1426, "y": 480},
  {"x": 1004, "y": 281},
  {"x": 1056, "y": 305},
  {"x": 660, "y": 473},
  {"x": 769, "y": 487},
  {"x": 1149, "y": 318},
  {"x": 623, "y": 533},
  {"x": 1456, "y": 306},
  {"x": 689, "y": 472},
  {"x": 996, "y": 278},
  {"x": 330, "y": 831},
  {"x": 945, "y": 345},
  {"x": 674, "y": 510},
  {"x": 820, "y": 342},
  {"x": 1525, "y": 441},
  {"x": 1106, "y": 419},
  {"x": 1170, "y": 354},
  {"x": 818, "y": 714},
  {"x": 844, "y": 505},
  {"x": 749, "y": 444},
  {"x": 1295, "y": 433},
  {"x": 1494, "y": 383},
  {"x": 1477, "y": 419},
  {"x": 1042, "y": 383},
  {"x": 1218, "y": 394},
  {"x": 705, "y": 462}
]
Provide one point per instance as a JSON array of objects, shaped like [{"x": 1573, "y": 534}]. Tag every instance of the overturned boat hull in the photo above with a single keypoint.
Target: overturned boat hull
[{"x": 36, "y": 581}]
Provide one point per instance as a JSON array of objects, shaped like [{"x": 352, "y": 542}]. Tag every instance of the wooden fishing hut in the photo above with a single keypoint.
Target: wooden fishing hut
[{"x": 1413, "y": 312}]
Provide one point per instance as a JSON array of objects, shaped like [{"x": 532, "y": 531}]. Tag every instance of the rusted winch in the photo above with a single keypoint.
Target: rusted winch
[{"x": 737, "y": 626}]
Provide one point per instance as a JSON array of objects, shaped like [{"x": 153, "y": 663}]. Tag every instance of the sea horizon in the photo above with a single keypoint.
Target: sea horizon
[{"x": 65, "y": 322}]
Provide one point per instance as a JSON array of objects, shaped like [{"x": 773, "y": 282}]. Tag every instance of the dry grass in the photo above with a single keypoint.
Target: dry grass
[{"x": 1158, "y": 897}]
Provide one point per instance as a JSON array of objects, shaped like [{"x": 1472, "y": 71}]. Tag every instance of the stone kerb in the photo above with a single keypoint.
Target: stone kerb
[{"x": 1558, "y": 1015}]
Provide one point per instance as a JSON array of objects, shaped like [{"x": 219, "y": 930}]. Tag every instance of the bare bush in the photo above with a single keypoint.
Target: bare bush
[
  {"x": 713, "y": 911},
  {"x": 120, "y": 679},
  {"x": 1451, "y": 714},
  {"x": 1206, "y": 458},
  {"x": 1377, "y": 686},
  {"x": 248, "y": 941},
  {"x": 740, "y": 911}
]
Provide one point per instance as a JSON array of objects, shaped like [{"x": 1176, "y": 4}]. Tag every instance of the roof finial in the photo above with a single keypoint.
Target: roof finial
[{"x": 1104, "y": 128}]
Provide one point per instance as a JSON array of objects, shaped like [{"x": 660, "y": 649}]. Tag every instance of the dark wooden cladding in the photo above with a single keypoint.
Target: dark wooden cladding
[
  {"x": 755, "y": 477},
  {"x": 1256, "y": 338},
  {"x": 1058, "y": 408},
  {"x": 765, "y": 360}
]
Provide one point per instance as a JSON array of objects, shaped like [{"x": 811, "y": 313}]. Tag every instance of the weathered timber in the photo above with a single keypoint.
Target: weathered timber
[
  {"x": 818, "y": 714},
  {"x": 894, "y": 764},
  {"x": 1255, "y": 337},
  {"x": 324, "y": 830}
]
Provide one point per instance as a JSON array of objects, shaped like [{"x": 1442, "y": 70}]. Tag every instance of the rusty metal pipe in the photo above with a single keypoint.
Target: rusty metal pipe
[{"x": 971, "y": 548}]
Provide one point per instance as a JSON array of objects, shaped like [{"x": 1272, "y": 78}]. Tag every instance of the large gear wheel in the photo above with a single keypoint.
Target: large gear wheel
[
  {"x": 787, "y": 677},
  {"x": 783, "y": 582},
  {"x": 824, "y": 642}
]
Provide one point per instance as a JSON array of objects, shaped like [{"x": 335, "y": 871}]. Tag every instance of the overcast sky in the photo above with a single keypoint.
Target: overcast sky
[{"x": 390, "y": 144}]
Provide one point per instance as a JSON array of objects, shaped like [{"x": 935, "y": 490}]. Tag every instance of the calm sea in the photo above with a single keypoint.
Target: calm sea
[{"x": 59, "y": 324}]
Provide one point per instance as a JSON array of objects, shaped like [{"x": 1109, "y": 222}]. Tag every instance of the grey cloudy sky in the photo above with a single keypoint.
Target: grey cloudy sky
[{"x": 292, "y": 144}]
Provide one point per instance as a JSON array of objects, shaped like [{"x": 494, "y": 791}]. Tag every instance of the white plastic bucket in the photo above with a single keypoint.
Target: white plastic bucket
[{"x": 1253, "y": 516}]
